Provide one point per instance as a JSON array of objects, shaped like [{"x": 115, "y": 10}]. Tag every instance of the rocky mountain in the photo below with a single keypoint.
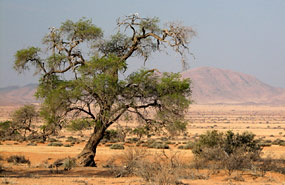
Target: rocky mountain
[
  {"x": 220, "y": 86},
  {"x": 209, "y": 85}
]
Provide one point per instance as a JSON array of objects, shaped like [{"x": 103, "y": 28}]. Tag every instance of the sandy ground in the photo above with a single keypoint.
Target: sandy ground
[
  {"x": 264, "y": 121},
  {"x": 38, "y": 173}
]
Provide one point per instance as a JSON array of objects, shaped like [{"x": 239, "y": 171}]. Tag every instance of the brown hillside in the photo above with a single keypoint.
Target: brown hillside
[
  {"x": 18, "y": 95},
  {"x": 219, "y": 86}
]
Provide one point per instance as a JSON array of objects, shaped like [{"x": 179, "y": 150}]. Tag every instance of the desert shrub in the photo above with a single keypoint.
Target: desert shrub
[
  {"x": 229, "y": 151},
  {"x": 208, "y": 140},
  {"x": 117, "y": 147},
  {"x": 52, "y": 140},
  {"x": 5, "y": 125},
  {"x": 67, "y": 145},
  {"x": 238, "y": 160},
  {"x": 68, "y": 163},
  {"x": 271, "y": 164},
  {"x": 161, "y": 169},
  {"x": 65, "y": 163},
  {"x": 110, "y": 135},
  {"x": 55, "y": 144},
  {"x": 278, "y": 142},
  {"x": 176, "y": 127},
  {"x": 165, "y": 169},
  {"x": 17, "y": 159},
  {"x": 228, "y": 142},
  {"x": 7, "y": 132},
  {"x": 264, "y": 144},
  {"x": 140, "y": 131},
  {"x": 130, "y": 160},
  {"x": 266, "y": 164},
  {"x": 213, "y": 154},
  {"x": 233, "y": 142},
  {"x": 122, "y": 132},
  {"x": 198, "y": 163},
  {"x": 72, "y": 139},
  {"x": 187, "y": 146},
  {"x": 158, "y": 145},
  {"x": 132, "y": 140},
  {"x": 32, "y": 144}
]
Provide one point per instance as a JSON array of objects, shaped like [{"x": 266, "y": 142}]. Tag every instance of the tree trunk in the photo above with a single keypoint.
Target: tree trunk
[{"x": 86, "y": 157}]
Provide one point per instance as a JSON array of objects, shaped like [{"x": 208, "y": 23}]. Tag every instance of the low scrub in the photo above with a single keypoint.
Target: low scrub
[
  {"x": 69, "y": 163},
  {"x": 72, "y": 139},
  {"x": 159, "y": 169},
  {"x": 117, "y": 147},
  {"x": 55, "y": 144},
  {"x": 66, "y": 163},
  {"x": 270, "y": 164},
  {"x": 228, "y": 151},
  {"x": 187, "y": 146},
  {"x": 17, "y": 159}
]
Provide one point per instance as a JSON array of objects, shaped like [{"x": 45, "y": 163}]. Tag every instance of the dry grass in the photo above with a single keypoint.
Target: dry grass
[{"x": 264, "y": 121}]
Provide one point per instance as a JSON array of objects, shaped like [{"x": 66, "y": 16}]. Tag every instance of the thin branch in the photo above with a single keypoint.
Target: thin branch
[{"x": 82, "y": 110}]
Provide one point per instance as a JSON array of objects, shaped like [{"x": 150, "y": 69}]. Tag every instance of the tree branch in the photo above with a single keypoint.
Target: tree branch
[{"x": 82, "y": 110}]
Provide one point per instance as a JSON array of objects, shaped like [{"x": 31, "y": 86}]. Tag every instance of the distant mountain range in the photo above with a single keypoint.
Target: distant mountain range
[
  {"x": 209, "y": 86},
  {"x": 220, "y": 86},
  {"x": 16, "y": 95}
]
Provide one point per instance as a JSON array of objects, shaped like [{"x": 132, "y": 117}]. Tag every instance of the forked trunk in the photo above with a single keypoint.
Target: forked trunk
[{"x": 86, "y": 157}]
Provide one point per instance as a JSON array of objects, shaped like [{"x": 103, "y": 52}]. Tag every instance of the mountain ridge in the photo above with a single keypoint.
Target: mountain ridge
[
  {"x": 209, "y": 86},
  {"x": 221, "y": 86}
]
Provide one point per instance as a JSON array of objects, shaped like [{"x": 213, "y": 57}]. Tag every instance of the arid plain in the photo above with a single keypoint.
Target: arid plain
[{"x": 266, "y": 122}]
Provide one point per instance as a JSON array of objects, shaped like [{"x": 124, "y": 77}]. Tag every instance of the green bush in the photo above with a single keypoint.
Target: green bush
[
  {"x": 246, "y": 140},
  {"x": 228, "y": 151},
  {"x": 5, "y": 125},
  {"x": 228, "y": 142},
  {"x": 209, "y": 140}
]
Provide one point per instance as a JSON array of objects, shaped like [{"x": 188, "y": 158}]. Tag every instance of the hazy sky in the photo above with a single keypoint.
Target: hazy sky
[{"x": 241, "y": 35}]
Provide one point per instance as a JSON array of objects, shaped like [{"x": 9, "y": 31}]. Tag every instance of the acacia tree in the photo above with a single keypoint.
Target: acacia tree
[
  {"x": 22, "y": 120},
  {"x": 80, "y": 76}
]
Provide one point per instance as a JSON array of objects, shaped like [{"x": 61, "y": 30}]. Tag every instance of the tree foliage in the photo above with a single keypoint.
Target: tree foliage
[
  {"x": 83, "y": 82},
  {"x": 23, "y": 120}
]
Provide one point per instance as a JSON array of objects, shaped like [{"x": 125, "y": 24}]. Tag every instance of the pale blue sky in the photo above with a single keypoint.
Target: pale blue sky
[{"x": 241, "y": 35}]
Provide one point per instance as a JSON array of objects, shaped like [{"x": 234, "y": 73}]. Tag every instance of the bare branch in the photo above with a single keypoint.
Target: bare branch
[{"x": 82, "y": 110}]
